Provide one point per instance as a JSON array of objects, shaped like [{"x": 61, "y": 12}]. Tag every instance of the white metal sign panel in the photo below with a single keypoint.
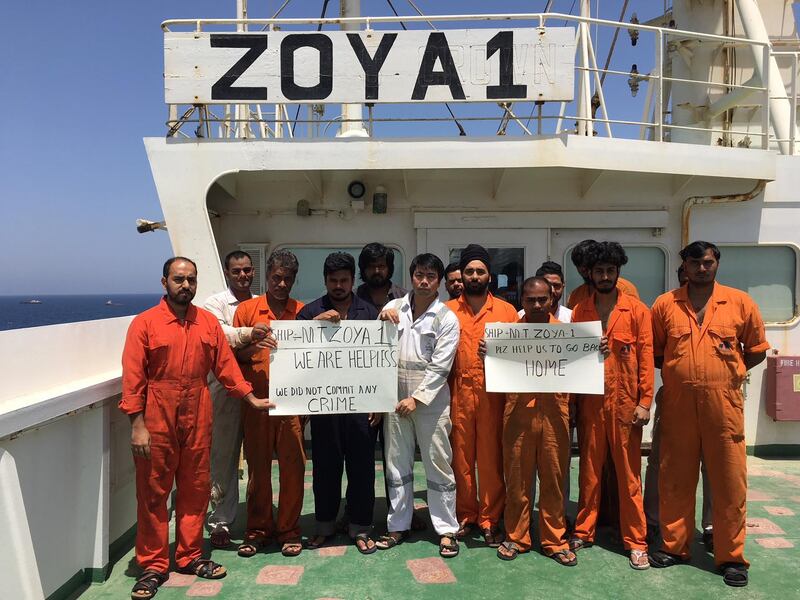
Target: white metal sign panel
[
  {"x": 322, "y": 368},
  {"x": 469, "y": 65},
  {"x": 532, "y": 357}
]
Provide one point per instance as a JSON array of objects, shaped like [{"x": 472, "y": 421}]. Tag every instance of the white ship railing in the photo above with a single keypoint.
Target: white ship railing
[
  {"x": 791, "y": 96},
  {"x": 274, "y": 121}
]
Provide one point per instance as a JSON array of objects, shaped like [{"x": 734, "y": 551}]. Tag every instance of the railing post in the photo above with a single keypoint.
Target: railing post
[
  {"x": 793, "y": 107},
  {"x": 765, "y": 69},
  {"x": 658, "y": 114}
]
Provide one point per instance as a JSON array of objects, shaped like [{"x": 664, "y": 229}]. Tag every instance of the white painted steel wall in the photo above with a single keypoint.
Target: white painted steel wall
[{"x": 66, "y": 476}]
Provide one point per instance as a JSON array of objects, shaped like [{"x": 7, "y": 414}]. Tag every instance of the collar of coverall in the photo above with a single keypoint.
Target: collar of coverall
[
  {"x": 191, "y": 312},
  {"x": 682, "y": 294},
  {"x": 432, "y": 309}
]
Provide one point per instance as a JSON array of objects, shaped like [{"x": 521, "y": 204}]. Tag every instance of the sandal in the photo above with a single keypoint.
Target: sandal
[
  {"x": 576, "y": 544},
  {"x": 394, "y": 538},
  {"x": 450, "y": 548},
  {"x": 507, "y": 551},
  {"x": 147, "y": 585},
  {"x": 220, "y": 538},
  {"x": 465, "y": 530},
  {"x": 493, "y": 537},
  {"x": 292, "y": 548},
  {"x": 250, "y": 545},
  {"x": 321, "y": 541},
  {"x": 566, "y": 558},
  {"x": 205, "y": 568},
  {"x": 639, "y": 560},
  {"x": 734, "y": 574},
  {"x": 365, "y": 539}
]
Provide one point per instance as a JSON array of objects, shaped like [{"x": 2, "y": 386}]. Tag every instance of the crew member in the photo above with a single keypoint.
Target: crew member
[
  {"x": 707, "y": 336},
  {"x": 536, "y": 437},
  {"x": 428, "y": 334},
  {"x": 267, "y": 435},
  {"x": 579, "y": 254},
  {"x": 651, "y": 476},
  {"x": 452, "y": 281},
  {"x": 553, "y": 273},
  {"x": 477, "y": 415},
  {"x": 169, "y": 351},
  {"x": 226, "y": 437},
  {"x": 376, "y": 268},
  {"x": 342, "y": 440},
  {"x": 611, "y": 424}
]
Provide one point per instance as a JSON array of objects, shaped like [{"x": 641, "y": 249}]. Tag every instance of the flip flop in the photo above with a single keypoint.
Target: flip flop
[
  {"x": 448, "y": 550},
  {"x": 324, "y": 539},
  {"x": 562, "y": 558},
  {"x": 638, "y": 560},
  {"x": 511, "y": 548},
  {"x": 292, "y": 548},
  {"x": 250, "y": 545},
  {"x": 363, "y": 537},
  {"x": 734, "y": 574}
]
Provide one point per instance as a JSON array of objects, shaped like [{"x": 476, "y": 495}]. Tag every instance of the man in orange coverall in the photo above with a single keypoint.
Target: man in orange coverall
[
  {"x": 578, "y": 255},
  {"x": 168, "y": 354},
  {"x": 264, "y": 434},
  {"x": 612, "y": 423},
  {"x": 536, "y": 437},
  {"x": 706, "y": 337},
  {"x": 477, "y": 416}
]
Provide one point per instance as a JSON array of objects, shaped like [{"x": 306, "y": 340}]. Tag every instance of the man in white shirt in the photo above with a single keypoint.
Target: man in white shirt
[
  {"x": 428, "y": 338},
  {"x": 226, "y": 437}
]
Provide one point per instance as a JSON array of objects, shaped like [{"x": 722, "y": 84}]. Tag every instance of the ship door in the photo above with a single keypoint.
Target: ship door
[{"x": 515, "y": 253}]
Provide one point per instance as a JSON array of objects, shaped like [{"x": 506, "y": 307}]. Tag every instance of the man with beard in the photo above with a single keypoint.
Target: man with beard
[
  {"x": 267, "y": 435},
  {"x": 428, "y": 337},
  {"x": 707, "y": 336},
  {"x": 169, "y": 351},
  {"x": 611, "y": 424},
  {"x": 536, "y": 437},
  {"x": 376, "y": 267},
  {"x": 342, "y": 440},
  {"x": 579, "y": 255},
  {"x": 477, "y": 415},
  {"x": 226, "y": 438},
  {"x": 553, "y": 273},
  {"x": 452, "y": 281}
]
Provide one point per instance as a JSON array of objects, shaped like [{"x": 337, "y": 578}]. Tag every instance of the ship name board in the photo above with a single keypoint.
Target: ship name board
[{"x": 467, "y": 65}]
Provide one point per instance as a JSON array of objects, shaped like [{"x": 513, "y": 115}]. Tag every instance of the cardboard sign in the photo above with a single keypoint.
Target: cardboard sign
[
  {"x": 321, "y": 368},
  {"x": 532, "y": 357},
  {"x": 468, "y": 65}
]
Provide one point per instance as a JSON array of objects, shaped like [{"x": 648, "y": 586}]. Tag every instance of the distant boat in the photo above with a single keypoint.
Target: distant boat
[
  {"x": 109, "y": 303},
  {"x": 33, "y": 301}
]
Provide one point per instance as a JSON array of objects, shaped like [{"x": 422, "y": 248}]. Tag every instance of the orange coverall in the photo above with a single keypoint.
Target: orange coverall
[
  {"x": 477, "y": 418},
  {"x": 582, "y": 292},
  {"x": 165, "y": 367},
  {"x": 605, "y": 422},
  {"x": 265, "y": 435},
  {"x": 536, "y": 438},
  {"x": 702, "y": 412}
]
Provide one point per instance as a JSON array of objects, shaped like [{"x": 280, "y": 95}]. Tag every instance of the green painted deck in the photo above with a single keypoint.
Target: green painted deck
[{"x": 414, "y": 570}]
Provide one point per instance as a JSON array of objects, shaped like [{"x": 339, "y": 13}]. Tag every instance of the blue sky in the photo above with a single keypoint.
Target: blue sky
[{"x": 82, "y": 85}]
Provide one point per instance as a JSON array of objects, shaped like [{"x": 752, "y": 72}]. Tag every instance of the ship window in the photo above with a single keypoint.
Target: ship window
[
  {"x": 645, "y": 268},
  {"x": 310, "y": 284},
  {"x": 767, "y": 273}
]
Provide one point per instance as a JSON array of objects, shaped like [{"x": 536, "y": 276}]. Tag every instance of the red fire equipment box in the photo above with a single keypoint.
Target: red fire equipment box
[{"x": 783, "y": 387}]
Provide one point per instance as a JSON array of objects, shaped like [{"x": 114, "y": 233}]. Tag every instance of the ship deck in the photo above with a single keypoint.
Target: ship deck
[{"x": 414, "y": 570}]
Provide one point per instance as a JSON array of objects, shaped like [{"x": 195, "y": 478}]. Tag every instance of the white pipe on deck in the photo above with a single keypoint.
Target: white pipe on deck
[{"x": 779, "y": 106}]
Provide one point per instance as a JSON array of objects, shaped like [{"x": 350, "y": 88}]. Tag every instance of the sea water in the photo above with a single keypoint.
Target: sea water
[{"x": 16, "y": 313}]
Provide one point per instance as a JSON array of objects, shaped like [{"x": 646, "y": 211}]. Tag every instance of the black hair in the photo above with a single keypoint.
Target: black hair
[
  {"x": 169, "y": 262},
  {"x": 235, "y": 255},
  {"x": 698, "y": 248},
  {"x": 580, "y": 252},
  {"x": 427, "y": 261},
  {"x": 537, "y": 279},
  {"x": 550, "y": 268},
  {"x": 373, "y": 252},
  {"x": 451, "y": 268},
  {"x": 283, "y": 259},
  {"x": 610, "y": 253},
  {"x": 339, "y": 261}
]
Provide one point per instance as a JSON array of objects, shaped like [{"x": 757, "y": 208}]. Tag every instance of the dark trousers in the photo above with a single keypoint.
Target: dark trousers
[{"x": 343, "y": 443}]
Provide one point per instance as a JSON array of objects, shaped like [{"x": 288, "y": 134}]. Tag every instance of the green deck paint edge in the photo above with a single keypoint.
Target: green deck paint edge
[{"x": 775, "y": 450}]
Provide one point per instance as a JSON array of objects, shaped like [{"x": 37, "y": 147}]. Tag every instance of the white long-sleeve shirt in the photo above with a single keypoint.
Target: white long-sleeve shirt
[
  {"x": 426, "y": 350},
  {"x": 223, "y": 306}
]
